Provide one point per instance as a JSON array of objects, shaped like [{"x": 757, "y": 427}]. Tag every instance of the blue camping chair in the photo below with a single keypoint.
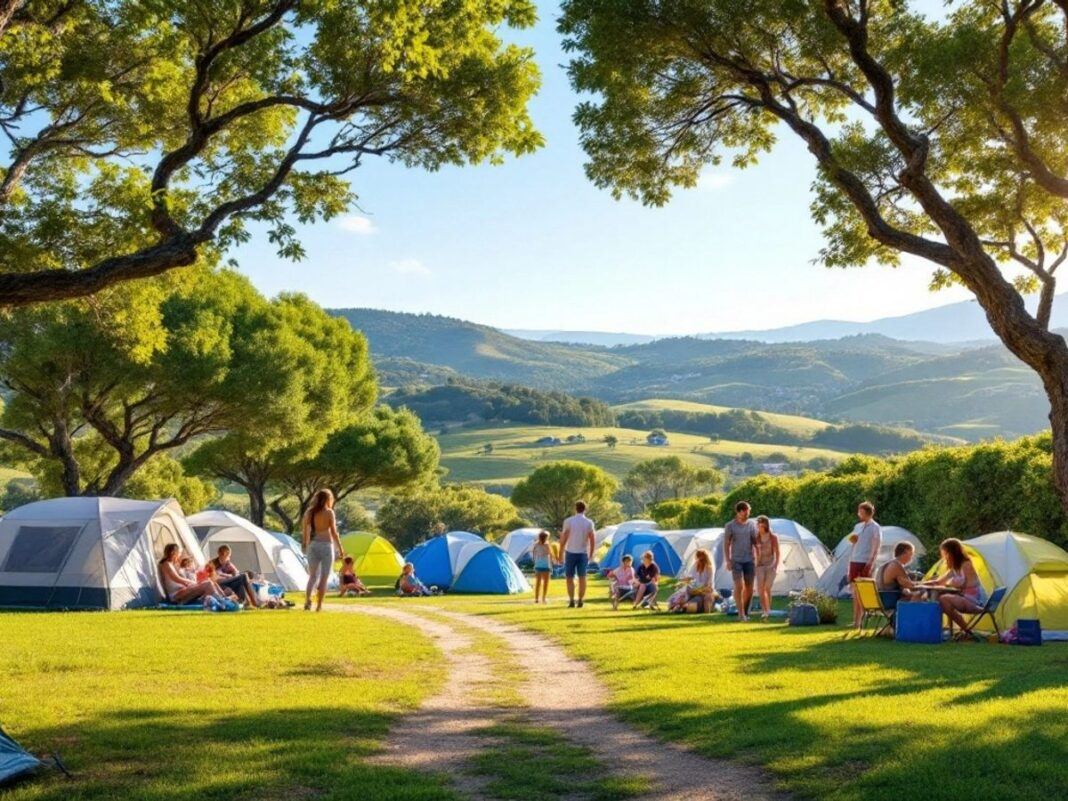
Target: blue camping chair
[{"x": 989, "y": 609}]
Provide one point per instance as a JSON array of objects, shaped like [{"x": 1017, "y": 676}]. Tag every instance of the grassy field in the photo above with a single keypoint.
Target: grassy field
[
  {"x": 831, "y": 717},
  {"x": 515, "y": 455},
  {"x": 172, "y": 705},
  {"x": 795, "y": 424}
]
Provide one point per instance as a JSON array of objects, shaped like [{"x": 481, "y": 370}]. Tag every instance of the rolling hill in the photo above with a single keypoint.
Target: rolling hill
[
  {"x": 961, "y": 391},
  {"x": 515, "y": 453}
]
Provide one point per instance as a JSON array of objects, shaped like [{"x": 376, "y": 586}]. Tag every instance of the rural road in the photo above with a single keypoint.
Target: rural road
[{"x": 441, "y": 737}]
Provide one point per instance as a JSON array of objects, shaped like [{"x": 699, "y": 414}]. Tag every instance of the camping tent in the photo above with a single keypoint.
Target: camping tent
[
  {"x": 251, "y": 548},
  {"x": 834, "y": 581},
  {"x": 706, "y": 539},
  {"x": 638, "y": 542},
  {"x": 1033, "y": 570},
  {"x": 802, "y": 559},
  {"x": 518, "y": 544},
  {"x": 89, "y": 553},
  {"x": 375, "y": 560},
  {"x": 15, "y": 761},
  {"x": 486, "y": 567},
  {"x": 680, "y": 539},
  {"x": 435, "y": 559}
]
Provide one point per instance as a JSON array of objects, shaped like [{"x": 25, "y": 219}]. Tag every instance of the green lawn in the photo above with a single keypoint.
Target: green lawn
[
  {"x": 832, "y": 718},
  {"x": 795, "y": 424},
  {"x": 515, "y": 455},
  {"x": 177, "y": 705}
]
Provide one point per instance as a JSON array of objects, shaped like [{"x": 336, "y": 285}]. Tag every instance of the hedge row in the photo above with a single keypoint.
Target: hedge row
[{"x": 934, "y": 493}]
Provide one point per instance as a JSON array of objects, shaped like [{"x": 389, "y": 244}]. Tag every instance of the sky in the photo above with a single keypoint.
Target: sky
[{"x": 533, "y": 244}]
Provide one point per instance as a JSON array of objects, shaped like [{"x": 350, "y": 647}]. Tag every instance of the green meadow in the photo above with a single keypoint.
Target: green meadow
[{"x": 515, "y": 453}]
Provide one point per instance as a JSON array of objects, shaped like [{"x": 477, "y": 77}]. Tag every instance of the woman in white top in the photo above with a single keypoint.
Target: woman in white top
[
  {"x": 699, "y": 593},
  {"x": 322, "y": 546}
]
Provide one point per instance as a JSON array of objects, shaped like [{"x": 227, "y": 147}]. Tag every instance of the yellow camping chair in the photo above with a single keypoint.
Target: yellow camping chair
[{"x": 872, "y": 605}]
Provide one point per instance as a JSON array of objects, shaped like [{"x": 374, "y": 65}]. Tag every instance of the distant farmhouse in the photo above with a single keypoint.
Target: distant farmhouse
[
  {"x": 775, "y": 468},
  {"x": 657, "y": 439},
  {"x": 548, "y": 442}
]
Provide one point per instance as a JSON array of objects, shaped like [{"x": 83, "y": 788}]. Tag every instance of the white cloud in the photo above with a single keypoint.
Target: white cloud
[
  {"x": 409, "y": 267},
  {"x": 711, "y": 180},
  {"x": 355, "y": 224}
]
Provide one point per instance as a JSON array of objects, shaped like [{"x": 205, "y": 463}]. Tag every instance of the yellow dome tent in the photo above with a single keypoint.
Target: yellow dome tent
[
  {"x": 376, "y": 560},
  {"x": 1033, "y": 571}
]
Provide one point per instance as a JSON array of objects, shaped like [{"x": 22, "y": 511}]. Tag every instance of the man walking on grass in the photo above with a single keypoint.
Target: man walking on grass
[
  {"x": 867, "y": 538},
  {"x": 577, "y": 542},
  {"x": 739, "y": 543}
]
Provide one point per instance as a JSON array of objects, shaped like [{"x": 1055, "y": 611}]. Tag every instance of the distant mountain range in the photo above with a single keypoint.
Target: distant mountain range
[
  {"x": 971, "y": 391},
  {"x": 953, "y": 323}
]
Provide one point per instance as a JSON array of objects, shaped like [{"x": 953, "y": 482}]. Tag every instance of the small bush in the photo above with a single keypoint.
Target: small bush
[{"x": 826, "y": 606}]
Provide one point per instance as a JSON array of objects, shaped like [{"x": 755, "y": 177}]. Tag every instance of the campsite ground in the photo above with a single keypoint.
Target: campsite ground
[{"x": 141, "y": 705}]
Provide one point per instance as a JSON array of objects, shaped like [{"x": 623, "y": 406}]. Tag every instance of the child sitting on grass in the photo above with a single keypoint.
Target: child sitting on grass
[
  {"x": 409, "y": 584},
  {"x": 622, "y": 579},
  {"x": 351, "y": 586}
]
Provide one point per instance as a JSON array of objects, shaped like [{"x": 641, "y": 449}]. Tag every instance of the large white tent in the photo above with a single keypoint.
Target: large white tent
[
  {"x": 606, "y": 534},
  {"x": 251, "y": 547},
  {"x": 835, "y": 580},
  {"x": 89, "y": 553}
]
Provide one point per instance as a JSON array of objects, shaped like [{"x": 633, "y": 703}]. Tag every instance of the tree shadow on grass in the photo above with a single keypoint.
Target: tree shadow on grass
[{"x": 279, "y": 754}]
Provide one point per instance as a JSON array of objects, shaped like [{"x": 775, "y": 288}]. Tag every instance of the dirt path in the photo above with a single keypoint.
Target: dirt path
[{"x": 571, "y": 701}]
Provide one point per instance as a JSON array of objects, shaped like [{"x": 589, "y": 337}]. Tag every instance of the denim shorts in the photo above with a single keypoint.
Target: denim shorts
[
  {"x": 576, "y": 563},
  {"x": 744, "y": 571}
]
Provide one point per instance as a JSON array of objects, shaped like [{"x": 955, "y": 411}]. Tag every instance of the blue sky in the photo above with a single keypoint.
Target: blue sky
[{"x": 532, "y": 244}]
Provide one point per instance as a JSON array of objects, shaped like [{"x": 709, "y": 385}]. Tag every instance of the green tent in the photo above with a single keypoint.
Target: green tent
[{"x": 376, "y": 560}]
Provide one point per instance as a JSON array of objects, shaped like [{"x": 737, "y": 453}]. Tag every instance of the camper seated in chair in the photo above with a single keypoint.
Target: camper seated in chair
[
  {"x": 409, "y": 584},
  {"x": 698, "y": 595},
  {"x": 351, "y": 586},
  {"x": 648, "y": 575},
  {"x": 229, "y": 577},
  {"x": 622, "y": 581},
  {"x": 177, "y": 589},
  {"x": 892, "y": 579}
]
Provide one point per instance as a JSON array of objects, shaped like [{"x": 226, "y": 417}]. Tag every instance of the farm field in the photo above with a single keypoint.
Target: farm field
[
  {"x": 795, "y": 424},
  {"x": 514, "y": 453}
]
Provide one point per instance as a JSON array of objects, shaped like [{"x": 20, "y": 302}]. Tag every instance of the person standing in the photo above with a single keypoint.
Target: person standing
[
  {"x": 320, "y": 540},
  {"x": 739, "y": 546},
  {"x": 767, "y": 563},
  {"x": 542, "y": 553},
  {"x": 867, "y": 538},
  {"x": 577, "y": 541}
]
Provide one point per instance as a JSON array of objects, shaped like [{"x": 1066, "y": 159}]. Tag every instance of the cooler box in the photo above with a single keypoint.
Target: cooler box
[
  {"x": 1028, "y": 632},
  {"x": 918, "y": 622}
]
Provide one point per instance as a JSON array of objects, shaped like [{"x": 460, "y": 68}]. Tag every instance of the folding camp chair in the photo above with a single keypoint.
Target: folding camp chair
[
  {"x": 627, "y": 595},
  {"x": 871, "y": 603},
  {"x": 989, "y": 610}
]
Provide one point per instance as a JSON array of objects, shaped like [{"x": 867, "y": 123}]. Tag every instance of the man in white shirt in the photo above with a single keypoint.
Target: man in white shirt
[
  {"x": 577, "y": 542},
  {"x": 867, "y": 538}
]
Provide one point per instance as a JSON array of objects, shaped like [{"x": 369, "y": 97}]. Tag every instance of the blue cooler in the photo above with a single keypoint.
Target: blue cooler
[{"x": 918, "y": 622}]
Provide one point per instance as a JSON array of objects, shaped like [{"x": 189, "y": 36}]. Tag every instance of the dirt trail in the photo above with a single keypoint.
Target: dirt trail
[{"x": 571, "y": 701}]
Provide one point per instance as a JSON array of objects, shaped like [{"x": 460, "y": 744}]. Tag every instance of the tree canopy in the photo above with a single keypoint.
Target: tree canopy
[
  {"x": 941, "y": 137},
  {"x": 97, "y": 391},
  {"x": 411, "y": 517},
  {"x": 550, "y": 491},
  {"x": 655, "y": 480},
  {"x": 142, "y": 135}
]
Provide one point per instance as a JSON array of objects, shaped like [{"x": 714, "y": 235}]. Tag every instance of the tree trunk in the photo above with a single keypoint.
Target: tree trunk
[
  {"x": 257, "y": 503},
  {"x": 288, "y": 522}
]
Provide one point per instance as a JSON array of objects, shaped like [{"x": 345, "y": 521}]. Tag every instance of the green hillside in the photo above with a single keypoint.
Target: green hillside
[
  {"x": 478, "y": 350},
  {"x": 514, "y": 453}
]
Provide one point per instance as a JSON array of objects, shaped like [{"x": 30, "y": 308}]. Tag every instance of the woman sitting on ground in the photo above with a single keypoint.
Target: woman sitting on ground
[
  {"x": 409, "y": 583},
  {"x": 351, "y": 586},
  {"x": 960, "y": 573},
  {"x": 892, "y": 579},
  {"x": 699, "y": 594},
  {"x": 648, "y": 576},
  {"x": 177, "y": 588},
  {"x": 622, "y": 579},
  {"x": 230, "y": 578}
]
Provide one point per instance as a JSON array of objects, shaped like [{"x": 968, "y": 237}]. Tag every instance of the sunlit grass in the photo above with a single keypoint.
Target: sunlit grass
[{"x": 173, "y": 705}]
